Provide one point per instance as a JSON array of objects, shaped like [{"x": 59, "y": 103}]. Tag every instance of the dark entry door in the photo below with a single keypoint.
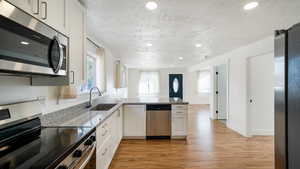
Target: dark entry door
[{"x": 175, "y": 86}]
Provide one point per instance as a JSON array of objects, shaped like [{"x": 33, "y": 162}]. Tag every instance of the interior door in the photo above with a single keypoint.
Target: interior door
[
  {"x": 221, "y": 92},
  {"x": 176, "y": 86},
  {"x": 261, "y": 94}
]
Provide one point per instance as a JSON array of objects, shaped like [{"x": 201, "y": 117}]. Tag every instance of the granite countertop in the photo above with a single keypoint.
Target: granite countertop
[{"x": 80, "y": 116}]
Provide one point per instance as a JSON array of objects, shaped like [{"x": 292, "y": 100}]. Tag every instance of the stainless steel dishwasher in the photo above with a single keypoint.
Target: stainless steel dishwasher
[{"x": 158, "y": 121}]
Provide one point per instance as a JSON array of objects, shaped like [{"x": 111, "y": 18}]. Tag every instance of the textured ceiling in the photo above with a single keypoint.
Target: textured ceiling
[{"x": 125, "y": 26}]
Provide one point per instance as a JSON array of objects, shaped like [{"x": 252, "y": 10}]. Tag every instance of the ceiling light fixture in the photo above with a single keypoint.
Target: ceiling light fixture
[
  {"x": 251, "y": 5},
  {"x": 180, "y": 58},
  {"x": 198, "y": 45},
  {"x": 149, "y": 44},
  {"x": 151, "y": 5}
]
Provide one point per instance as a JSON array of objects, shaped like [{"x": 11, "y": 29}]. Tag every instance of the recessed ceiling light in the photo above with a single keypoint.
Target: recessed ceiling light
[
  {"x": 151, "y": 5},
  {"x": 24, "y": 43},
  {"x": 251, "y": 5},
  {"x": 198, "y": 45},
  {"x": 149, "y": 44},
  {"x": 180, "y": 58}
]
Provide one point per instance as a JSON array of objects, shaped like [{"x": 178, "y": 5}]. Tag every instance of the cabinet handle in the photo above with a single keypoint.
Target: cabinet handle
[
  {"x": 180, "y": 117},
  {"x": 179, "y": 112},
  {"x": 104, "y": 133},
  {"x": 73, "y": 77},
  {"x": 104, "y": 152},
  {"x": 45, "y": 11},
  {"x": 37, "y": 7}
]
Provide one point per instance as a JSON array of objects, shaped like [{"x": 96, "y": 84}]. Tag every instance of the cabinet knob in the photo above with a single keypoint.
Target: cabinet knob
[
  {"x": 77, "y": 154},
  {"x": 93, "y": 138},
  {"x": 88, "y": 142}
]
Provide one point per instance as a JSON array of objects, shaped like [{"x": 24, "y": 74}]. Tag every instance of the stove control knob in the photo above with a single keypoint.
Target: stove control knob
[
  {"x": 62, "y": 167},
  {"x": 88, "y": 142},
  {"x": 93, "y": 138},
  {"x": 77, "y": 153}
]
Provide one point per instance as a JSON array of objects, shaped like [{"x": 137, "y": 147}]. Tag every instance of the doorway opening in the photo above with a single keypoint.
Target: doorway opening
[{"x": 221, "y": 86}]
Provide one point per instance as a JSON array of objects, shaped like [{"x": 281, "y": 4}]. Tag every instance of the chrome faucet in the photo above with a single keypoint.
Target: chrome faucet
[{"x": 91, "y": 91}]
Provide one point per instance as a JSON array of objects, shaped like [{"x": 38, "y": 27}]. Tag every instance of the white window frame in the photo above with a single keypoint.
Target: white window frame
[
  {"x": 157, "y": 85},
  {"x": 86, "y": 90},
  {"x": 98, "y": 59}
]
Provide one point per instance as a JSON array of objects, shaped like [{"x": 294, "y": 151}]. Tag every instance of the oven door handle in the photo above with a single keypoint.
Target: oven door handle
[{"x": 87, "y": 159}]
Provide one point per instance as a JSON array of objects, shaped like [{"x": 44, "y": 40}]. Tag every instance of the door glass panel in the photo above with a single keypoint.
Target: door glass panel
[
  {"x": 20, "y": 44},
  {"x": 175, "y": 85}
]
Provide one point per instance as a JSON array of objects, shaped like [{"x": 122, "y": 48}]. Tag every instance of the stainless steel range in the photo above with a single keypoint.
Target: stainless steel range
[{"x": 25, "y": 144}]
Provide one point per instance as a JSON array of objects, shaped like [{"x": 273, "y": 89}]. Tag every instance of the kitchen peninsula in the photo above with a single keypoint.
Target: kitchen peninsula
[{"x": 117, "y": 119}]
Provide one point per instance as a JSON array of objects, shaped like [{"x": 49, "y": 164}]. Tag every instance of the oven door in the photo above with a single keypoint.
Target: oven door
[
  {"x": 86, "y": 160},
  {"x": 30, "y": 46}
]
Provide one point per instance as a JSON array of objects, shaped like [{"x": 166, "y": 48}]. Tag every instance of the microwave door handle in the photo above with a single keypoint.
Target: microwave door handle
[{"x": 61, "y": 55}]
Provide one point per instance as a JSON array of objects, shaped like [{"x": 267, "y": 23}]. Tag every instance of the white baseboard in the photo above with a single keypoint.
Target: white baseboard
[{"x": 262, "y": 132}]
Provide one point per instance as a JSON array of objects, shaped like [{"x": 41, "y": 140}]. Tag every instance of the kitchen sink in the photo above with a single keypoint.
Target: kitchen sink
[{"x": 103, "y": 107}]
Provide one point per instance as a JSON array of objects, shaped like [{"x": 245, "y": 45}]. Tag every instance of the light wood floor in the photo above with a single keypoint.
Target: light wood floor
[{"x": 210, "y": 145}]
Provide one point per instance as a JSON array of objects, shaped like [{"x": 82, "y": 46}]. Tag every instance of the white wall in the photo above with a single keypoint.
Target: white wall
[
  {"x": 237, "y": 59},
  {"x": 13, "y": 89},
  {"x": 193, "y": 96}
]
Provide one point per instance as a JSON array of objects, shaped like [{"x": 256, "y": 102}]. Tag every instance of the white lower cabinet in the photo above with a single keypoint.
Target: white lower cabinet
[
  {"x": 109, "y": 135},
  {"x": 179, "y": 120},
  {"x": 103, "y": 155},
  {"x": 134, "y": 121}
]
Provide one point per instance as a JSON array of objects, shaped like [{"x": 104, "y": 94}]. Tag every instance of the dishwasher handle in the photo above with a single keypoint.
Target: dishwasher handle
[{"x": 158, "y": 107}]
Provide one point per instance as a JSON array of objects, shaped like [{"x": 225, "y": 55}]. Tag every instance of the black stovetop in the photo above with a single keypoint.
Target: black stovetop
[{"x": 44, "y": 150}]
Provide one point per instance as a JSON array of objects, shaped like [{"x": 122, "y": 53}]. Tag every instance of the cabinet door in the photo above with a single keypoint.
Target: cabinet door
[
  {"x": 120, "y": 125},
  {"x": 103, "y": 156},
  {"x": 179, "y": 122},
  {"x": 114, "y": 133},
  {"x": 179, "y": 126},
  {"x": 53, "y": 12},
  {"x": 134, "y": 121},
  {"x": 77, "y": 34},
  {"x": 29, "y": 6}
]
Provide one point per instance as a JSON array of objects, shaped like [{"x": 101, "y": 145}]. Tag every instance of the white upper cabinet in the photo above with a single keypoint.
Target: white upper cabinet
[
  {"x": 121, "y": 75},
  {"x": 76, "y": 21},
  {"x": 52, "y": 12},
  {"x": 30, "y": 6}
]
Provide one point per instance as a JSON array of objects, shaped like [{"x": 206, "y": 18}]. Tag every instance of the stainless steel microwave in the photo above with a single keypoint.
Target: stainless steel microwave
[{"x": 29, "y": 46}]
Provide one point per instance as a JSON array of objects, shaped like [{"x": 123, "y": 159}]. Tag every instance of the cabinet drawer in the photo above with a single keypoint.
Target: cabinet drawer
[
  {"x": 179, "y": 113},
  {"x": 102, "y": 134},
  {"x": 134, "y": 108},
  {"x": 179, "y": 107}
]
